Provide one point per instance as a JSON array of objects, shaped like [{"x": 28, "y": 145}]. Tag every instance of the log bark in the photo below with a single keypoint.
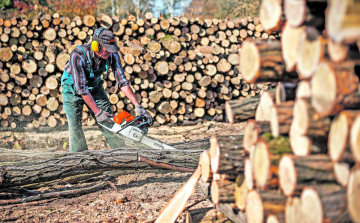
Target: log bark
[
  {"x": 297, "y": 172},
  {"x": 222, "y": 191},
  {"x": 325, "y": 202},
  {"x": 262, "y": 61},
  {"x": 69, "y": 164},
  {"x": 241, "y": 109},
  {"x": 281, "y": 118},
  {"x": 227, "y": 155}
]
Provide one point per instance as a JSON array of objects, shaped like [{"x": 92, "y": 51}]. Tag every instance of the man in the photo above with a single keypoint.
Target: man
[{"x": 82, "y": 84}]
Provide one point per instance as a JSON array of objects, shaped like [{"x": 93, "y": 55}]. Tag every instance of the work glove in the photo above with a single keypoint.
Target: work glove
[
  {"x": 140, "y": 111},
  {"x": 104, "y": 118}
]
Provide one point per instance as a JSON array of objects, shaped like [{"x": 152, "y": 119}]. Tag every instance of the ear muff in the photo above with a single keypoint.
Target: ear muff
[{"x": 95, "y": 46}]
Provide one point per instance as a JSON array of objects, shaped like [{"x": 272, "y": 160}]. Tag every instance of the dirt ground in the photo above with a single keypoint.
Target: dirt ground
[{"x": 136, "y": 196}]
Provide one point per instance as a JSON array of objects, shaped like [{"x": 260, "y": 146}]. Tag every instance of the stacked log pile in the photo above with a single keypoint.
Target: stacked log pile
[
  {"x": 180, "y": 69},
  {"x": 299, "y": 158}
]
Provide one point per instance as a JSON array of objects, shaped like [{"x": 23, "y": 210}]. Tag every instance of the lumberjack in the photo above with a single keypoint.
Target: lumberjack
[{"x": 82, "y": 83}]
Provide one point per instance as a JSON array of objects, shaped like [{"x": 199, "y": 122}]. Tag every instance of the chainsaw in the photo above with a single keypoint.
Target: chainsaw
[{"x": 134, "y": 130}]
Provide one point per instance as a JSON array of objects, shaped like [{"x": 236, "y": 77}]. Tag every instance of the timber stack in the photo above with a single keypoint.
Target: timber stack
[
  {"x": 181, "y": 69},
  {"x": 299, "y": 157}
]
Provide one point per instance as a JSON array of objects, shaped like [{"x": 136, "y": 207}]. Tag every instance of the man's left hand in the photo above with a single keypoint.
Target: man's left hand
[{"x": 140, "y": 111}]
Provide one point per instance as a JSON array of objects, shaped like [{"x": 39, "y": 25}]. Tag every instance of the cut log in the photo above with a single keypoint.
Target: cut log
[
  {"x": 263, "y": 111},
  {"x": 252, "y": 132},
  {"x": 262, "y": 61},
  {"x": 341, "y": 21},
  {"x": 65, "y": 165},
  {"x": 354, "y": 139},
  {"x": 310, "y": 13},
  {"x": 206, "y": 173},
  {"x": 297, "y": 172},
  {"x": 338, "y": 80},
  {"x": 6, "y": 54},
  {"x": 311, "y": 50},
  {"x": 339, "y": 134},
  {"x": 241, "y": 109},
  {"x": 293, "y": 211},
  {"x": 89, "y": 20},
  {"x": 326, "y": 202},
  {"x": 227, "y": 155},
  {"x": 342, "y": 173},
  {"x": 271, "y": 15},
  {"x": 61, "y": 60},
  {"x": 281, "y": 118},
  {"x": 222, "y": 191},
  {"x": 29, "y": 66},
  {"x": 290, "y": 38},
  {"x": 353, "y": 194},
  {"x": 307, "y": 122},
  {"x": 259, "y": 205},
  {"x": 162, "y": 67},
  {"x": 49, "y": 34},
  {"x": 303, "y": 90}
]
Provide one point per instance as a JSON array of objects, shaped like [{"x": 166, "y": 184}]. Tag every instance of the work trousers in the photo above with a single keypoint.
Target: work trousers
[{"x": 73, "y": 106}]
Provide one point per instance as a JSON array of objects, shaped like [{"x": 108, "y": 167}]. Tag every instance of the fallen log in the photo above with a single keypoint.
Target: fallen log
[{"x": 71, "y": 164}]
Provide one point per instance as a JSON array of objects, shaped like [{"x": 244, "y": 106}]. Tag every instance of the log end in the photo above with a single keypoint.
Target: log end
[
  {"x": 248, "y": 174},
  {"x": 353, "y": 194},
  {"x": 229, "y": 113},
  {"x": 270, "y": 15},
  {"x": 272, "y": 219},
  {"x": 261, "y": 164},
  {"x": 293, "y": 211},
  {"x": 338, "y": 136},
  {"x": 274, "y": 123},
  {"x": 295, "y": 12},
  {"x": 263, "y": 111},
  {"x": 214, "y": 154},
  {"x": 287, "y": 175},
  {"x": 214, "y": 192},
  {"x": 323, "y": 100},
  {"x": 205, "y": 166},
  {"x": 254, "y": 207},
  {"x": 342, "y": 173},
  {"x": 251, "y": 135},
  {"x": 311, "y": 205},
  {"x": 300, "y": 144},
  {"x": 355, "y": 139},
  {"x": 301, "y": 120},
  {"x": 240, "y": 195},
  {"x": 249, "y": 61}
]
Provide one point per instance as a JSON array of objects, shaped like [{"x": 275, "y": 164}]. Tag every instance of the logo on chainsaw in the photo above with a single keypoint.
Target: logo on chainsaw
[{"x": 159, "y": 145}]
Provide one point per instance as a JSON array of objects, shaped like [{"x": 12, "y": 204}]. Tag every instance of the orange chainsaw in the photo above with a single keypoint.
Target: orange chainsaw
[{"x": 134, "y": 130}]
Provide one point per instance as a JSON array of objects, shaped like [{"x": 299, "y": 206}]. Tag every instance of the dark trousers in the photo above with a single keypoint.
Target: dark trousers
[{"x": 73, "y": 106}]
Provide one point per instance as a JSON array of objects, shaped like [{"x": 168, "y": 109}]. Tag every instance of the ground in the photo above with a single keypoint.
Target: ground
[{"x": 133, "y": 197}]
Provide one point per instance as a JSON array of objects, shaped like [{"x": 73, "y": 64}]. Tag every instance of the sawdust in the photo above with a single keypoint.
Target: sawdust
[{"x": 135, "y": 196}]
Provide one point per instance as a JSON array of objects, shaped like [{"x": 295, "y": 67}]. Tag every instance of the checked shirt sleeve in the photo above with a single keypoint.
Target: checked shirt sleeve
[
  {"x": 77, "y": 64},
  {"x": 118, "y": 71}
]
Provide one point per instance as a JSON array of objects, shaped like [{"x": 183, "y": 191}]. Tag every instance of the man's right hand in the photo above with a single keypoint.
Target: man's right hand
[{"x": 104, "y": 117}]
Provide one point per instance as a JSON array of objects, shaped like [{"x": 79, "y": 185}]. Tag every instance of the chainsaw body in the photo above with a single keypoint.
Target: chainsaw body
[{"x": 134, "y": 130}]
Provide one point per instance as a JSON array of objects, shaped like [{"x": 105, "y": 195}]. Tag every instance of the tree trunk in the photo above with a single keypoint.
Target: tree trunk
[{"x": 74, "y": 164}]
